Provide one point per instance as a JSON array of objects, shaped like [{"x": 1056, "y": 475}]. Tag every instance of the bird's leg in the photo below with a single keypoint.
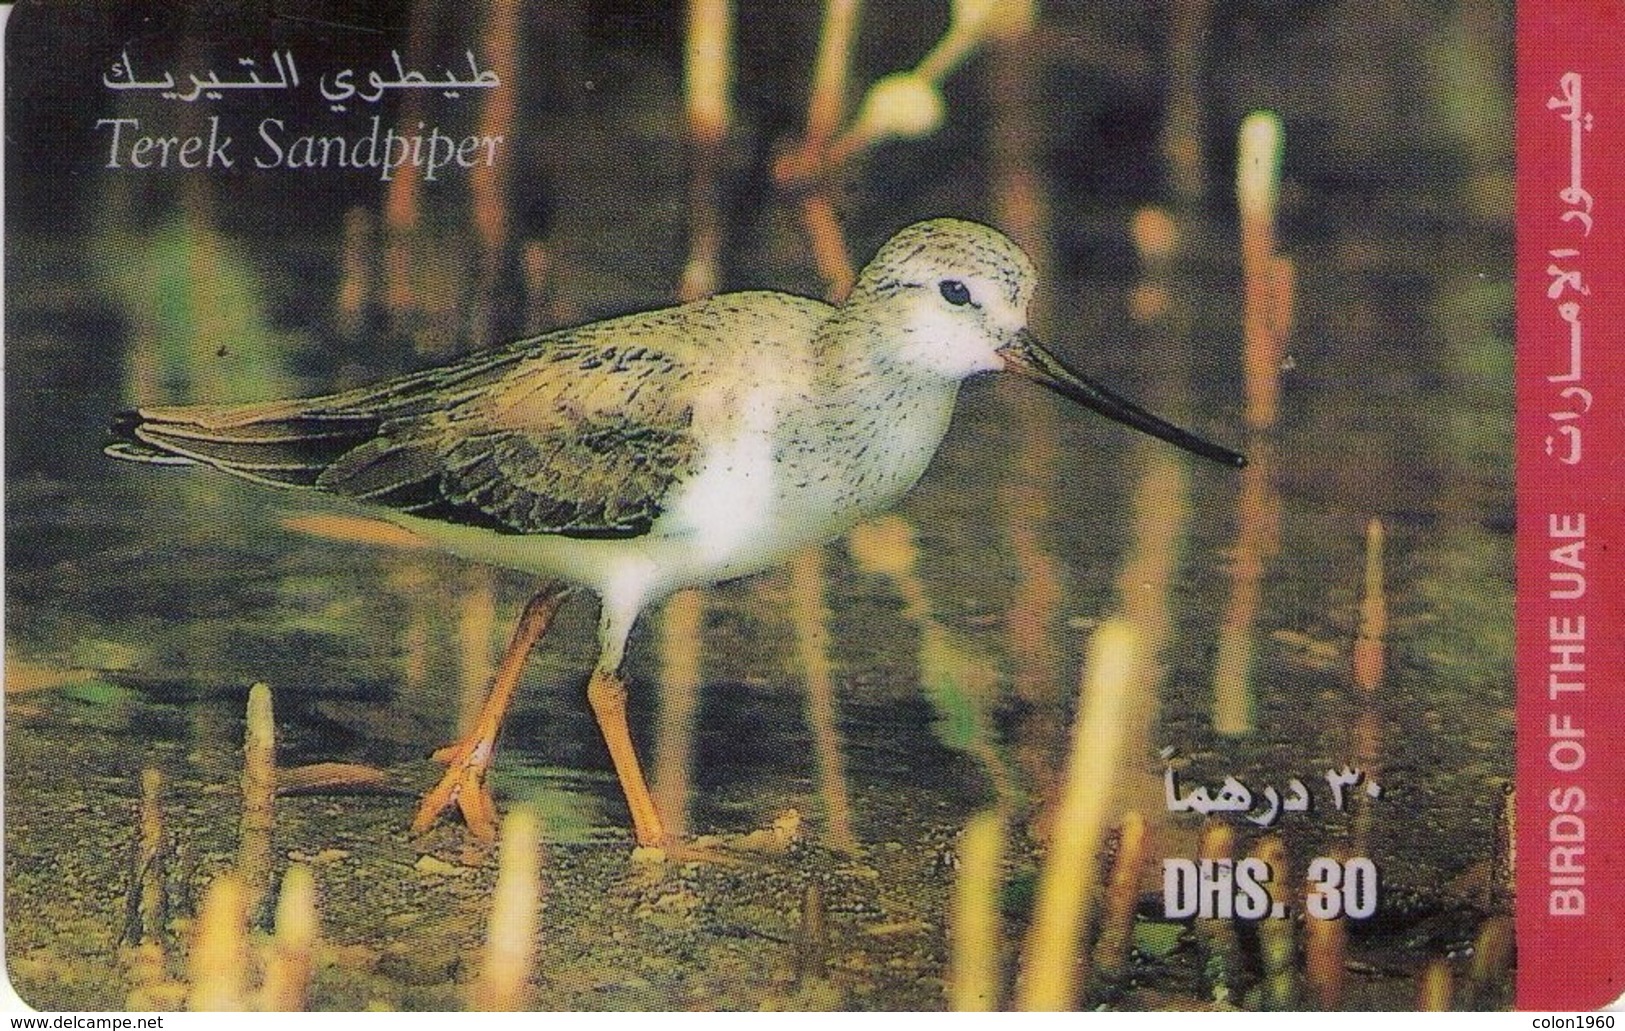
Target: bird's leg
[
  {"x": 606, "y": 693},
  {"x": 469, "y": 757}
]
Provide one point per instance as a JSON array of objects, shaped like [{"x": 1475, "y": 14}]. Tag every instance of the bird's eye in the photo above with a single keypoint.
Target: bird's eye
[{"x": 954, "y": 292}]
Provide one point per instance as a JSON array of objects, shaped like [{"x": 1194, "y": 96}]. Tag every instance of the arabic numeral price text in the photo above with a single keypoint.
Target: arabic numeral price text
[
  {"x": 1341, "y": 888},
  {"x": 1249, "y": 889}
]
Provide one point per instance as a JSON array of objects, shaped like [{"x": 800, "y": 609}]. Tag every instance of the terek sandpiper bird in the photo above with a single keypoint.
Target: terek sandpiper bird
[{"x": 656, "y": 451}]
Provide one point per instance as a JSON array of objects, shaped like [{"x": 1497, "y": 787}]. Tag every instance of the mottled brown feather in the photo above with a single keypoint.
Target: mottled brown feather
[{"x": 550, "y": 435}]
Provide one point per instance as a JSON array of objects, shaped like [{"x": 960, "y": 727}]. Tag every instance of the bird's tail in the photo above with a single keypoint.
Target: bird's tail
[
  {"x": 279, "y": 443},
  {"x": 128, "y": 447}
]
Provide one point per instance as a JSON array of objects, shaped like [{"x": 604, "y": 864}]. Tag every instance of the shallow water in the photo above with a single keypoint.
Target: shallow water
[{"x": 142, "y": 602}]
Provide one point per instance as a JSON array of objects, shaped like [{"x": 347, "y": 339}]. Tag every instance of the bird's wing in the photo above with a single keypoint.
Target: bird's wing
[
  {"x": 600, "y": 479},
  {"x": 578, "y": 433}
]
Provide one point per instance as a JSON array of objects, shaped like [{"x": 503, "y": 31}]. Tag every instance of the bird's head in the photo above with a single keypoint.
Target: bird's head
[
  {"x": 950, "y": 294},
  {"x": 953, "y": 296}
]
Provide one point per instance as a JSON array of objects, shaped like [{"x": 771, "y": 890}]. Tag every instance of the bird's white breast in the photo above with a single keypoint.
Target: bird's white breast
[
  {"x": 787, "y": 473},
  {"x": 725, "y": 515}
]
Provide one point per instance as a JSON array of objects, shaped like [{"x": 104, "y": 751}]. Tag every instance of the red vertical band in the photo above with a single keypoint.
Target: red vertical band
[{"x": 1571, "y": 503}]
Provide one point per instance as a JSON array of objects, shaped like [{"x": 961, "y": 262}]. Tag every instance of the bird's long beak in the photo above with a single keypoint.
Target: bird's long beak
[{"x": 1027, "y": 356}]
